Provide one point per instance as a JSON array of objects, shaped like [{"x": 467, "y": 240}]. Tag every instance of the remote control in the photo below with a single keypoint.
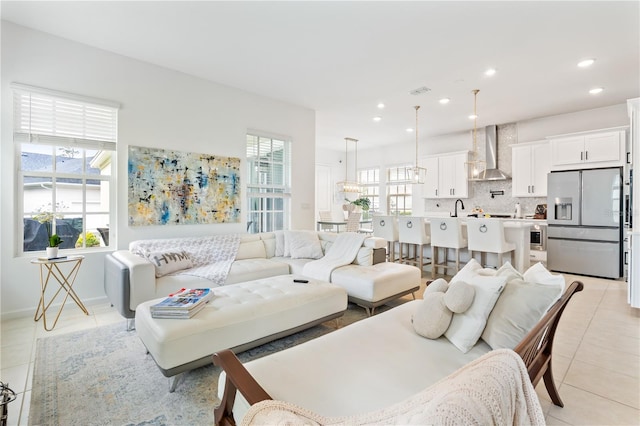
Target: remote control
[{"x": 300, "y": 281}]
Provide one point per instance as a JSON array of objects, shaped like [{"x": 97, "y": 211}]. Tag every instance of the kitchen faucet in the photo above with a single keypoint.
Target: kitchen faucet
[{"x": 455, "y": 214}]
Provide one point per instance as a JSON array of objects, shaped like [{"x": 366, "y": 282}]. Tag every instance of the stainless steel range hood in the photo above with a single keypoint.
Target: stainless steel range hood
[{"x": 492, "y": 172}]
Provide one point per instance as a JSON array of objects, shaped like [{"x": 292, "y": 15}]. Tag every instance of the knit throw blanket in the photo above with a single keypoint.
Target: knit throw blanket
[
  {"x": 211, "y": 256},
  {"x": 492, "y": 390},
  {"x": 342, "y": 252}
]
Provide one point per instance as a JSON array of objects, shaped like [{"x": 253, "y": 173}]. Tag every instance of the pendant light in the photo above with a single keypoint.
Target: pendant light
[
  {"x": 349, "y": 189},
  {"x": 417, "y": 174},
  {"x": 476, "y": 168}
]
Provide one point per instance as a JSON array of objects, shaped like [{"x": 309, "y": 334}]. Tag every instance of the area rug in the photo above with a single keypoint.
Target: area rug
[{"x": 103, "y": 376}]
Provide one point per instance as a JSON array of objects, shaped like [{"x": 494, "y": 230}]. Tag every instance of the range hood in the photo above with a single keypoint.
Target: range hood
[{"x": 492, "y": 172}]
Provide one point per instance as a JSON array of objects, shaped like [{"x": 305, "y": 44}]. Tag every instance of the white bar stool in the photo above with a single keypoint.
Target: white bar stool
[
  {"x": 487, "y": 236},
  {"x": 446, "y": 233},
  {"x": 412, "y": 230},
  {"x": 387, "y": 227}
]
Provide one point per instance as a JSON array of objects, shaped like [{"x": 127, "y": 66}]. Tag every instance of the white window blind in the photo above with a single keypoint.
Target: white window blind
[{"x": 49, "y": 117}]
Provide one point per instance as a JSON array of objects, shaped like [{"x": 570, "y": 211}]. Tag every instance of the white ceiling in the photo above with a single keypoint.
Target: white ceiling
[{"x": 343, "y": 58}]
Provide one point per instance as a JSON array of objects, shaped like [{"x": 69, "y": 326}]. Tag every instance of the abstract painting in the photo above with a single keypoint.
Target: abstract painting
[{"x": 174, "y": 188}]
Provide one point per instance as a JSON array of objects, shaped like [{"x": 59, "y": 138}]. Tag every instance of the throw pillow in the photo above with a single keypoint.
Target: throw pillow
[
  {"x": 518, "y": 309},
  {"x": 540, "y": 275},
  {"x": 166, "y": 262},
  {"x": 303, "y": 244},
  {"x": 472, "y": 269},
  {"x": 509, "y": 271},
  {"x": 466, "y": 328},
  {"x": 433, "y": 316},
  {"x": 279, "y": 252}
]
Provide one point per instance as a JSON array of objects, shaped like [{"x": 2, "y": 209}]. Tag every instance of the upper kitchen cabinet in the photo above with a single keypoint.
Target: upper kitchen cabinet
[
  {"x": 446, "y": 176},
  {"x": 531, "y": 164},
  {"x": 605, "y": 148}
]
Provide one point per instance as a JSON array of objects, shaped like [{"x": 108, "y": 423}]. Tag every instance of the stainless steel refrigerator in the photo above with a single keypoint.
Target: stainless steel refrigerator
[{"x": 584, "y": 213}]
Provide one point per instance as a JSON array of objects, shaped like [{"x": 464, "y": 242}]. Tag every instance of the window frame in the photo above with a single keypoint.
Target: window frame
[
  {"x": 96, "y": 141},
  {"x": 266, "y": 194},
  {"x": 369, "y": 180},
  {"x": 406, "y": 194}
]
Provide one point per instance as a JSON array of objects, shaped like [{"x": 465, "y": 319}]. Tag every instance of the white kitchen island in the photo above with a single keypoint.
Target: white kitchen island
[{"x": 515, "y": 231}]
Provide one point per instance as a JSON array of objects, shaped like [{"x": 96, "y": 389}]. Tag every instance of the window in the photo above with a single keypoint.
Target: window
[
  {"x": 269, "y": 183},
  {"x": 399, "y": 200},
  {"x": 369, "y": 180},
  {"x": 65, "y": 148}
]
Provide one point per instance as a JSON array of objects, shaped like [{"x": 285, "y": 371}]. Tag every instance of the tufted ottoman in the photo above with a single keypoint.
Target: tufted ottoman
[
  {"x": 375, "y": 285},
  {"x": 239, "y": 317}
]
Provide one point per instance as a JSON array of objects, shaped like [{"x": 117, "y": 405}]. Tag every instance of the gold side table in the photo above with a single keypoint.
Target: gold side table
[{"x": 50, "y": 268}]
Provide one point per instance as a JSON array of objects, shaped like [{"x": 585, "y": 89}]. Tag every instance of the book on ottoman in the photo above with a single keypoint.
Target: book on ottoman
[{"x": 183, "y": 304}]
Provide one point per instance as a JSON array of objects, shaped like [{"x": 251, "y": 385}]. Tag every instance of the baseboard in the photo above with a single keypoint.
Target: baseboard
[{"x": 29, "y": 312}]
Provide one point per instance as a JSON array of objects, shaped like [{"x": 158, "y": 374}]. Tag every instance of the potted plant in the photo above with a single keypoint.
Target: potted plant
[{"x": 47, "y": 218}]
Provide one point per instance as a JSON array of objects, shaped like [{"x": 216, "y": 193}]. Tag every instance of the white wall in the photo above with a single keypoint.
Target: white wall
[{"x": 159, "y": 108}]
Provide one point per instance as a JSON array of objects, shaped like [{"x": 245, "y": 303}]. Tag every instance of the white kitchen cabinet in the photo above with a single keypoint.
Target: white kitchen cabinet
[
  {"x": 531, "y": 164},
  {"x": 588, "y": 149},
  {"x": 446, "y": 176}
]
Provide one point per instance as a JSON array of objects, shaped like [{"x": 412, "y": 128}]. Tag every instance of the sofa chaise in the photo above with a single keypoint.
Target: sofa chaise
[{"x": 382, "y": 361}]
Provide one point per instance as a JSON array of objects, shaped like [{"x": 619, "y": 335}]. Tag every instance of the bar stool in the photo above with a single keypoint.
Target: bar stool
[
  {"x": 446, "y": 233},
  {"x": 487, "y": 236},
  {"x": 412, "y": 230},
  {"x": 387, "y": 227}
]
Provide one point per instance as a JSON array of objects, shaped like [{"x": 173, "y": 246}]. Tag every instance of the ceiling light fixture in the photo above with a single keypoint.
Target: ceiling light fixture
[
  {"x": 586, "y": 63},
  {"x": 473, "y": 117},
  {"x": 409, "y": 130},
  {"x": 349, "y": 189},
  {"x": 476, "y": 169},
  {"x": 490, "y": 72},
  {"x": 417, "y": 173},
  {"x": 444, "y": 101},
  {"x": 596, "y": 90},
  {"x": 377, "y": 118},
  {"x": 381, "y": 105}
]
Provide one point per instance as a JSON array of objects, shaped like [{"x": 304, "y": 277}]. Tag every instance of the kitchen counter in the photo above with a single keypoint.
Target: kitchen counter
[{"x": 516, "y": 231}]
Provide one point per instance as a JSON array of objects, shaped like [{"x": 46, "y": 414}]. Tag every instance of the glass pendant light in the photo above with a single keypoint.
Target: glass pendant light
[
  {"x": 476, "y": 168},
  {"x": 417, "y": 174},
  {"x": 349, "y": 189}
]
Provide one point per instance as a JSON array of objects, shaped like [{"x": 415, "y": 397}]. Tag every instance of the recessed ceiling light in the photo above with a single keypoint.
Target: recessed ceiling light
[
  {"x": 473, "y": 116},
  {"x": 377, "y": 118},
  {"x": 490, "y": 72},
  {"x": 380, "y": 105},
  {"x": 445, "y": 101},
  {"x": 586, "y": 63},
  {"x": 409, "y": 130},
  {"x": 596, "y": 90}
]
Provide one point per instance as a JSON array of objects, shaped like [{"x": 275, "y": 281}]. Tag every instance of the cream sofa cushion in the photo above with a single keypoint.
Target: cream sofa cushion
[{"x": 251, "y": 250}]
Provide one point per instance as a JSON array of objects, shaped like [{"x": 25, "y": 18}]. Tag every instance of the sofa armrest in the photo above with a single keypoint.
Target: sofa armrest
[
  {"x": 142, "y": 277},
  {"x": 238, "y": 379}
]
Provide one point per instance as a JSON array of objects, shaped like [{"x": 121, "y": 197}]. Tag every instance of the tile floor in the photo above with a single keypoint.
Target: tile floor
[{"x": 596, "y": 357}]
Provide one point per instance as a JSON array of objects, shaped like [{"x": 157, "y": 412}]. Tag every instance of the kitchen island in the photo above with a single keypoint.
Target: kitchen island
[{"x": 515, "y": 231}]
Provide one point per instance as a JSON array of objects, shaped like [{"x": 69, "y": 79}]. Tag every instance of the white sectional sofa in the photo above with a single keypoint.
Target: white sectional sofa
[{"x": 130, "y": 278}]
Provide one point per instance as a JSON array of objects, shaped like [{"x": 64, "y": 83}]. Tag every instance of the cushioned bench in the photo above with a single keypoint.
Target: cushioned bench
[
  {"x": 239, "y": 317},
  {"x": 375, "y": 285}
]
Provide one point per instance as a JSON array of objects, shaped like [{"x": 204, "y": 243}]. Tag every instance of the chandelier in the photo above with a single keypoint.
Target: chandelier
[
  {"x": 476, "y": 168},
  {"x": 417, "y": 174},
  {"x": 349, "y": 189}
]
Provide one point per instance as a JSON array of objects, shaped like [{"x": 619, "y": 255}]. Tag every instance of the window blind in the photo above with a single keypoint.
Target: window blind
[{"x": 53, "y": 118}]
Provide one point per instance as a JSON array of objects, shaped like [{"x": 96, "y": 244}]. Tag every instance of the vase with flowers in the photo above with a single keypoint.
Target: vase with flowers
[{"x": 47, "y": 218}]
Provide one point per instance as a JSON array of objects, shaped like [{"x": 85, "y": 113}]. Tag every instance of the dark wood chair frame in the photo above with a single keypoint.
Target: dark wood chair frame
[{"x": 535, "y": 349}]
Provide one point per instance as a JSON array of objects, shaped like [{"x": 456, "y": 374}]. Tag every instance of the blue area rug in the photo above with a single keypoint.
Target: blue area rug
[{"x": 103, "y": 376}]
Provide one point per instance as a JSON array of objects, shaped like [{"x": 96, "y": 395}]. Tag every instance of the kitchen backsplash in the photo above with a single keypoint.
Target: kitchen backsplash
[{"x": 480, "y": 192}]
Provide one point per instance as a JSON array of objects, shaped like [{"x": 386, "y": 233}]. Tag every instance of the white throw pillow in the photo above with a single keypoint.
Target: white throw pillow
[
  {"x": 166, "y": 262},
  {"x": 279, "y": 252},
  {"x": 471, "y": 270},
  {"x": 540, "y": 275},
  {"x": 517, "y": 311},
  {"x": 466, "y": 328},
  {"x": 509, "y": 271},
  {"x": 303, "y": 244}
]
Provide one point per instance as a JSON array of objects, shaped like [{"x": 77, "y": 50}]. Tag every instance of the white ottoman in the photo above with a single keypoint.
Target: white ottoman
[
  {"x": 372, "y": 286},
  {"x": 239, "y": 317}
]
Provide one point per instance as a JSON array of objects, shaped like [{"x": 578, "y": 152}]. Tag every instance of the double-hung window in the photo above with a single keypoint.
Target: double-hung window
[
  {"x": 369, "y": 180},
  {"x": 269, "y": 183},
  {"x": 399, "y": 199},
  {"x": 65, "y": 150}
]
